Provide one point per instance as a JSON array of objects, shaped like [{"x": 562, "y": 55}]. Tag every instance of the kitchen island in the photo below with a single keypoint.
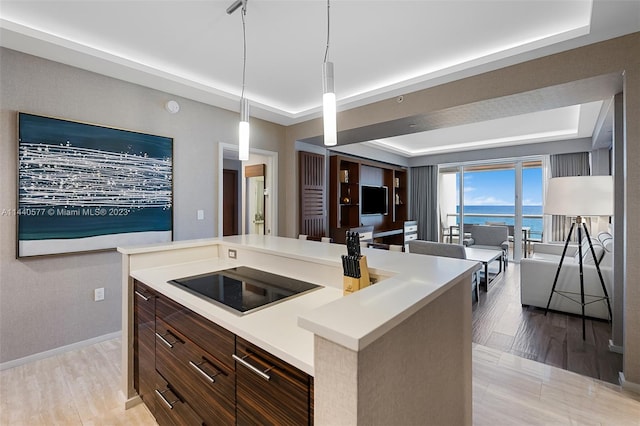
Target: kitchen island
[{"x": 397, "y": 352}]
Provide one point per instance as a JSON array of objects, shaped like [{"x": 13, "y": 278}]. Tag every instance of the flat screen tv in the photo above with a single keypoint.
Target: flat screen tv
[{"x": 374, "y": 199}]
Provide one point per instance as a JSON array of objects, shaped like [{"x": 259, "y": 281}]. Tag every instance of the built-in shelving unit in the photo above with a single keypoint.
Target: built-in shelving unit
[{"x": 347, "y": 176}]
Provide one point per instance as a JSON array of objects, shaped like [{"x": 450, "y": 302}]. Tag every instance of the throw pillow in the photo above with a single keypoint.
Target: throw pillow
[
  {"x": 587, "y": 258},
  {"x": 603, "y": 237}
]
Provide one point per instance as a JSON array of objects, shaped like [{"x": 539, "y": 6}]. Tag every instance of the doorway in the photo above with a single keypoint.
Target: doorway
[
  {"x": 256, "y": 199},
  {"x": 228, "y": 159}
]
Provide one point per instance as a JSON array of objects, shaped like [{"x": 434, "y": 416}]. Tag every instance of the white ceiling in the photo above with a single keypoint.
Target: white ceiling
[
  {"x": 380, "y": 48},
  {"x": 577, "y": 121}
]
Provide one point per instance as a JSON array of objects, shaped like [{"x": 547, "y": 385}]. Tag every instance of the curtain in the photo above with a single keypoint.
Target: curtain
[
  {"x": 424, "y": 201},
  {"x": 574, "y": 164}
]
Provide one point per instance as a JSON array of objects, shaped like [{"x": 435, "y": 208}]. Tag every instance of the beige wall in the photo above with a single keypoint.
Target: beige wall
[
  {"x": 47, "y": 302},
  {"x": 632, "y": 219},
  {"x": 618, "y": 56}
]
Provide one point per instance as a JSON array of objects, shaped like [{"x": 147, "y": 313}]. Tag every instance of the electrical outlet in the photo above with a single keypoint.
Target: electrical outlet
[
  {"x": 233, "y": 254},
  {"x": 98, "y": 294}
]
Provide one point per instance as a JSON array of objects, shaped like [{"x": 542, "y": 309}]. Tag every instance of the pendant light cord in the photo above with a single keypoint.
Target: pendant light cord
[
  {"x": 326, "y": 52},
  {"x": 244, "y": 47}
]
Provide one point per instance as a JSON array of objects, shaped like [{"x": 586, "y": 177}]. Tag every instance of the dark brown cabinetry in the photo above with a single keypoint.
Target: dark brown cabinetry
[
  {"x": 171, "y": 409},
  {"x": 212, "y": 338},
  {"x": 186, "y": 373},
  {"x": 203, "y": 381},
  {"x": 345, "y": 193},
  {"x": 269, "y": 391},
  {"x": 347, "y": 177},
  {"x": 144, "y": 343}
]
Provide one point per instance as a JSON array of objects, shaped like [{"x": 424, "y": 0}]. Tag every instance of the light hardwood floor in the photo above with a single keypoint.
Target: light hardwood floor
[{"x": 82, "y": 388}]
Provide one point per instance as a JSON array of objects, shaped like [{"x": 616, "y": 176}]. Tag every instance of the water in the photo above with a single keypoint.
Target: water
[{"x": 479, "y": 215}]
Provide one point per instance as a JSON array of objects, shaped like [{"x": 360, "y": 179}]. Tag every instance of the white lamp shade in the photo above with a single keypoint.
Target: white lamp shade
[
  {"x": 243, "y": 141},
  {"x": 243, "y": 131},
  {"x": 580, "y": 196},
  {"x": 329, "y": 112},
  {"x": 329, "y": 105}
]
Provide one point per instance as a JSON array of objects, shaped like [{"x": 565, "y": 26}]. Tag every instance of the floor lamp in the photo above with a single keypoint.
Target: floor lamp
[{"x": 579, "y": 196}]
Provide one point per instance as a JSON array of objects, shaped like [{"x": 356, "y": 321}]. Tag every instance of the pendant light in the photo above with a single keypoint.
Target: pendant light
[
  {"x": 328, "y": 95},
  {"x": 243, "y": 127}
]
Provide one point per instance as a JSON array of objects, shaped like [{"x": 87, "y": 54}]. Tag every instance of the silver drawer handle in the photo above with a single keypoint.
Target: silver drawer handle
[
  {"x": 146, "y": 299},
  {"x": 202, "y": 372},
  {"x": 262, "y": 374},
  {"x": 165, "y": 400},
  {"x": 165, "y": 341}
]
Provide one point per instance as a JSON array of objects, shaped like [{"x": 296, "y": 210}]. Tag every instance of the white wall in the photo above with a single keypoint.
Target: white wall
[{"x": 47, "y": 302}]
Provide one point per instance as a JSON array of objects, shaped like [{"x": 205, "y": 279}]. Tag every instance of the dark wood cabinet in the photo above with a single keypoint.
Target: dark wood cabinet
[
  {"x": 400, "y": 195},
  {"x": 268, "y": 390},
  {"x": 347, "y": 177},
  {"x": 205, "y": 383},
  {"x": 171, "y": 409},
  {"x": 217, "y": 341},
  {"x": 191, "y": 371},
  {"x": 144, "y": 343},
  {"x": 344, "y": 193}
]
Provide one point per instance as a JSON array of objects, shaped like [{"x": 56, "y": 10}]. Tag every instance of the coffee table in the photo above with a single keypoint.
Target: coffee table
[{"x": 485, "y": 256}]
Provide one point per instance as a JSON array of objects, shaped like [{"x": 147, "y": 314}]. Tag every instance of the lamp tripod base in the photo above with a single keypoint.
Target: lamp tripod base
[{"x": 581, "y": 226}]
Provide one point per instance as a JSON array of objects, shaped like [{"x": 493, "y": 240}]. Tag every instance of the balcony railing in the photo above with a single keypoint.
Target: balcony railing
[{"x": 530, "y": 222}]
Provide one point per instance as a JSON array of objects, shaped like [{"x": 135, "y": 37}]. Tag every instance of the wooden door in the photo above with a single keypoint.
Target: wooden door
[
  {"x": 313, "y": 215},
  {"x": 229, "y": 202}
]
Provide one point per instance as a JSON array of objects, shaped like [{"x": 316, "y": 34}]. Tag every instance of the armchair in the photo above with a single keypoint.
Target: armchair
[
  {"x": 490, "y": 237},
  {"x": 445, "y": 250},
  {"x": 538, "y": 272}
]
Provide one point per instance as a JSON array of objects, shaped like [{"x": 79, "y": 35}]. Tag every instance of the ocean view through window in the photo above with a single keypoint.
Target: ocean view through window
[
  {"x": 489, "y": 196},
  {"x": 480, "y": 215}
]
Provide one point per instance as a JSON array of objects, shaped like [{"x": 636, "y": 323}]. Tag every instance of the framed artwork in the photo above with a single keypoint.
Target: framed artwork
[{"x": 85, "y": 187}]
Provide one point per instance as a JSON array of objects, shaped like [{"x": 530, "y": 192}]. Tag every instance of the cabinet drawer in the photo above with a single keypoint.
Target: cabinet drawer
[
  {"x": 411, "y": 228},
  {"x": 410, "y": 237},
  {"x": 212, "y": 338},
  {"x": 171, "y": 408},
  {"x": 280, "y": 396},
  {"x": 204, "y": 382},
  {"x": 144, "y": 300}
]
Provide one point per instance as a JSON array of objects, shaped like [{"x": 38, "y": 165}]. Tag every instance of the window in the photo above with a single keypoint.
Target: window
[{"x": 490, "y": 191}]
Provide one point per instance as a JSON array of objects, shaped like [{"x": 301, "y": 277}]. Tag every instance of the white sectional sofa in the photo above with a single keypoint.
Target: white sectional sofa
[{"x": 538, "y": 272}]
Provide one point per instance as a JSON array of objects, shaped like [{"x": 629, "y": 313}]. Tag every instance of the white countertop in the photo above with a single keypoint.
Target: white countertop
[{"x": 286, "y": 329}]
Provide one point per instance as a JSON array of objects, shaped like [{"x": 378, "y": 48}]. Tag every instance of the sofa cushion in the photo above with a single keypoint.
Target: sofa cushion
[
  {"x": 587, "y": 258},
  {"x": 437, "y": 249},
  {"x": 547, "y": 256}
]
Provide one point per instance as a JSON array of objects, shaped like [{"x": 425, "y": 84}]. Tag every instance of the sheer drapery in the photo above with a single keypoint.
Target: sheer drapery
[
  {"x": 561, "y": 165},
  {"x": 424, "y": 201}
]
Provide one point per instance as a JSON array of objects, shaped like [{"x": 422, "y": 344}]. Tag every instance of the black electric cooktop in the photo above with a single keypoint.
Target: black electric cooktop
[{"x": 243, "y": 289}]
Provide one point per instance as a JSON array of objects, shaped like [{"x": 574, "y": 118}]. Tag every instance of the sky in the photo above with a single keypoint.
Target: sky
[{"x": 497, "y": 187}]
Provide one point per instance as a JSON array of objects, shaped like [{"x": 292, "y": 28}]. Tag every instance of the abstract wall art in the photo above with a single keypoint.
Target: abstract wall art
[{"x": 85, "y": 187}]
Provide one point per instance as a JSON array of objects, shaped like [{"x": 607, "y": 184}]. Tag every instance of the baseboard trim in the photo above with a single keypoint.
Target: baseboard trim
[
  {"x": 57, "y": 351},
  {"x": 615, "y": 348},
  {"x": 132, "y": 402},
  {"x": 626, "y": 385}
]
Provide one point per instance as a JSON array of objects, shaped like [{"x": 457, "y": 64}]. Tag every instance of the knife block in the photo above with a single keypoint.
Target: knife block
[{"x": 351, "y": 285}]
